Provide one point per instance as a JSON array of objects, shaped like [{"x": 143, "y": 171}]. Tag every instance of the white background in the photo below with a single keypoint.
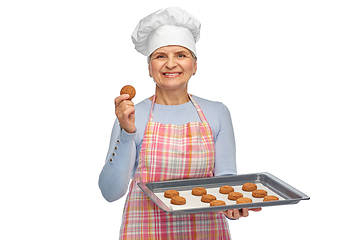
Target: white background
[{"x": 287, "y": 70}]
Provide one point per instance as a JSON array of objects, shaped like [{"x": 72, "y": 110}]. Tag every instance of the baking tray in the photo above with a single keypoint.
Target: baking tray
[{"x": 273, "y": 185}]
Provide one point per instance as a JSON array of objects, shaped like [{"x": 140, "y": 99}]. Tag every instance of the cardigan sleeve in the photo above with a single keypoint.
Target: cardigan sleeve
[
  {"x": 117, "y": 171},
  {"x": 225, "y": 149},
  {"x": 124, "y": 148}
]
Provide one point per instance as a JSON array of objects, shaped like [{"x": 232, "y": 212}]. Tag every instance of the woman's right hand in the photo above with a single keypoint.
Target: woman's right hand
[{"x": 125, "y": 113}]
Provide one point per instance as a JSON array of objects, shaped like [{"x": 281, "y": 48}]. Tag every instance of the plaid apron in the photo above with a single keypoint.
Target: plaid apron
[{"x": 171, "y": 152}]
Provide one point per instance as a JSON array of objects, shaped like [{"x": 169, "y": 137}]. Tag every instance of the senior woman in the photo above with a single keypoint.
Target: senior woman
[{"x": 171, "y": 135}]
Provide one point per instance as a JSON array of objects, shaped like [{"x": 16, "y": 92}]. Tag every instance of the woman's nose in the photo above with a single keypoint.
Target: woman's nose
[{"x": 171, "y": 63}]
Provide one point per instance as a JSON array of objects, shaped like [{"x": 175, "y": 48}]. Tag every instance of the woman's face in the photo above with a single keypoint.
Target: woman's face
[{"x": 171, "y": 67}]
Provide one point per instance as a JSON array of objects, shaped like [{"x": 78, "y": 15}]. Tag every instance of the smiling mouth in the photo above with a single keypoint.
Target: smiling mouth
[{"x": 171, "y": 74}]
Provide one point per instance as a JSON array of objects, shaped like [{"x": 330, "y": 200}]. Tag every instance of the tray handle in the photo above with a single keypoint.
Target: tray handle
[{"x": 300, "y": 194}]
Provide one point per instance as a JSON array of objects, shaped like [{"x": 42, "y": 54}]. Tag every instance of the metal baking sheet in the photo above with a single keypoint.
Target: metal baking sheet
[{"x": 273, "y": 185}]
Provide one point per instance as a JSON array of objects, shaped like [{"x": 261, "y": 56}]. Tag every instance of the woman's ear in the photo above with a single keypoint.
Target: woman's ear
[
  {"x": 195, "y": 67},
  {"x": 149, "y": 67}
]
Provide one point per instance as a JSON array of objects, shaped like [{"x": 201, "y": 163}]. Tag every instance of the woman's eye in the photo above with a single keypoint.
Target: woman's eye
[
  {"x": 160, "y": 56},
  {"x": 181, "y": 55}
]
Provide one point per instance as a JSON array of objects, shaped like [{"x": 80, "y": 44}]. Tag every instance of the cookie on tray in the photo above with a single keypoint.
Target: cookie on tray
[
  {"x": 269, "y": 198},
  {"x": 217, "y": 203},
  {"x": 249, "y": 187},
  {"x": 234, "y": 195},
  {"x": 226, "y": 189},
  {"x": 259, "y": 193},
  {"x": 177, "y": 200},
  {"x": 208, "y": 198},
  {"x": 243, "y": 200},
  {"x": 171, "y": 193},
  {"x": 198, "y": 191}
]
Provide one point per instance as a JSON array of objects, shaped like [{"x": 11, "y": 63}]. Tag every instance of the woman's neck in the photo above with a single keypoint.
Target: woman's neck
[{"x": 171, "y": 97}]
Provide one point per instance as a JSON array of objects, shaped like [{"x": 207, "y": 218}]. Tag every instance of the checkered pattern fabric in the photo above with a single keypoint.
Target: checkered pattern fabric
[{"x": 172, "y": 152}]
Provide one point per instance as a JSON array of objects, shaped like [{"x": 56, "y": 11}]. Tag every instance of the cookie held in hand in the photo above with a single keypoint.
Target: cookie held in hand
[{"x": 128, "y": 89}]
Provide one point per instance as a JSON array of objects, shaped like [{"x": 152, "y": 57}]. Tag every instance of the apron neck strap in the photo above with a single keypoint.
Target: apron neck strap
[{"x": 197, "y": 107}]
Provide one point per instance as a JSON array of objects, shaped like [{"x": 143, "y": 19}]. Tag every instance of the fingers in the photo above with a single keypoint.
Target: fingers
[
  {"x": 125, "y": 112},
  {"x": 244, "y": 212},
  {"x": 121, "y": 98},
  {"x": 129, "y": 110},
  {"x": 232, "y": 213},
  {"x": 228, "y": 213},
  {"x": 255, "y": 209},
  {"x": 238, "y": 213},
  {"x": 123, "y": 106}
]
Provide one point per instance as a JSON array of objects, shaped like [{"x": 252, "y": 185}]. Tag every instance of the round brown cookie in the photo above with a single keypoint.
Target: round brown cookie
[
  {"x": 270, "y": 198},
  {"x": 198, "y": 191},
  {"x": 259, "y": 193},
  {"x": 128, "y": 89},
  {"x": 243, "y": 200},
  {"x": 217, "y": 203},
  {"x": 226, "y": 189},
  {"x": 177, "y": 200},
  {"x": 171, "y": 193},
  {"x": 234, "y": 195},
  {"x": 249, "y": 187},
  {"x": 208, "y": 198}
]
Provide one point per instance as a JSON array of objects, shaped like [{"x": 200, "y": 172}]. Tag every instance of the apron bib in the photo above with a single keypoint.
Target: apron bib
[{"x": 171, "y": 152}]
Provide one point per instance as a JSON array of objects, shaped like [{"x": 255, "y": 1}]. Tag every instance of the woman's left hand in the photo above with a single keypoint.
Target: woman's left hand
[{"x": 238, "y": 213}]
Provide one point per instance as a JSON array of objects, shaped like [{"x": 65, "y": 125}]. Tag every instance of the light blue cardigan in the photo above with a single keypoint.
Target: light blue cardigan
[{"x": 123, "y": 154}]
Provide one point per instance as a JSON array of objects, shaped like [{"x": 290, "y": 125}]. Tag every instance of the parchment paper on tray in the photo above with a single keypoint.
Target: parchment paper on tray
[{"x": 274, "y": 186}]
